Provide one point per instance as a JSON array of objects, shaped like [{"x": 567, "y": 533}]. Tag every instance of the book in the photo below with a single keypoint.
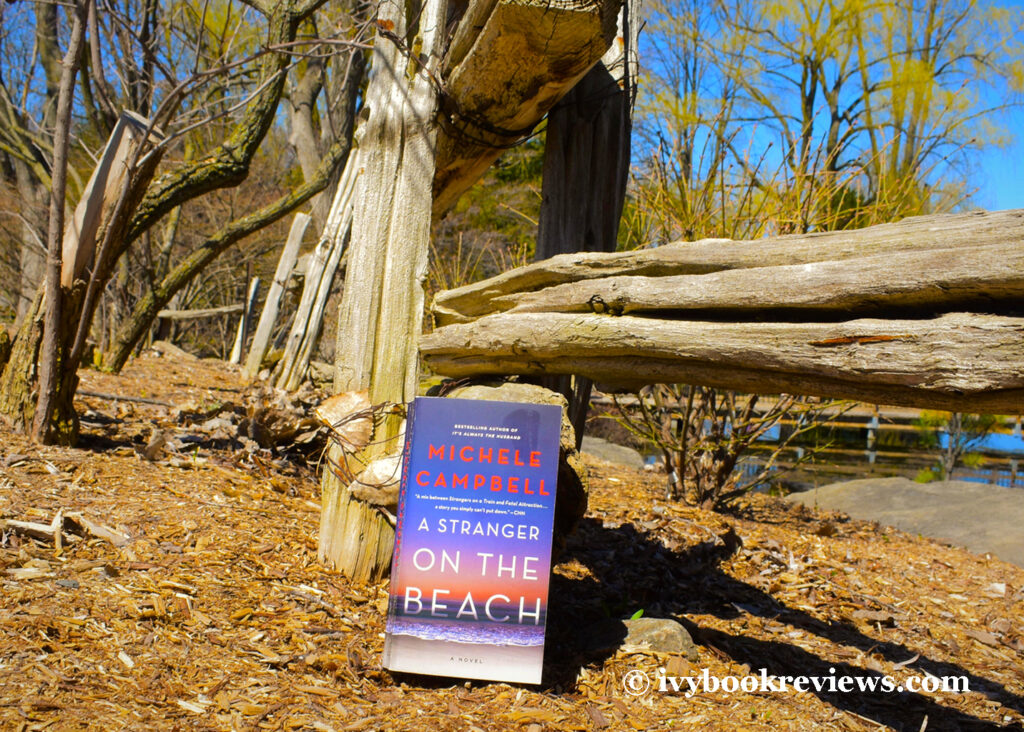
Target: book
[{"x": 472, "y": 558}]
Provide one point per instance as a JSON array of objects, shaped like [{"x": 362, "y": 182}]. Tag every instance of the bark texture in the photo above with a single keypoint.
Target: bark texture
[
  {"x": 921, "y": 233},
  {"x": 967, "y": 278},
  {"x": 880, "y": 315},
  {"x": 956, "y": 362},
  {"x": 508, "y": 63},
  {"x": 382, "y": 306}
]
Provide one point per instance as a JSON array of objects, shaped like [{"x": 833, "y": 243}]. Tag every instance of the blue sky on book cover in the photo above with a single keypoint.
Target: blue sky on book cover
[{"x": 473, "y": 551}]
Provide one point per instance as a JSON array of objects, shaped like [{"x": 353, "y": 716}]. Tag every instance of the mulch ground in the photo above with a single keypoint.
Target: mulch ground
[{"x": 204, "y": 606}]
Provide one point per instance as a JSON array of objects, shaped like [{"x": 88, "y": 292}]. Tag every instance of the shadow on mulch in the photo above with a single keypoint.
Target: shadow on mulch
[{"x": 631, "y": 571}]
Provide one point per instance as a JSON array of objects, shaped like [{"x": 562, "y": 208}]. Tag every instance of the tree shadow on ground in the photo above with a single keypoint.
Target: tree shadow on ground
[{"x": 629, "y": 570}]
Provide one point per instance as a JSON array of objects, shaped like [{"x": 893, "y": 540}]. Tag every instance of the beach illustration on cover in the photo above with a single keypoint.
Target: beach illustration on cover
[{"x": 469, "y": 589}]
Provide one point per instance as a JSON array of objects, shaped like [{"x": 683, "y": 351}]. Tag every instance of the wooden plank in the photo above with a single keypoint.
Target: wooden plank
[
  {"x": 309, "y": 320},
  {"x": 268, "y": 316},
  {"x": 243, "y": 322},
  {"x": 300, "y": 323},
  {"x": 956, "y": 362},
  {"x": 968, "y": 278},
  {"x": 381, "y": 313},
  {"x": 922, "y": 233}
]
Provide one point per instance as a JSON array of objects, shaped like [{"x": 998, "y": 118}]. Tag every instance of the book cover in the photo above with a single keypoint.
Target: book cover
[{"x": 469, "y": 579}]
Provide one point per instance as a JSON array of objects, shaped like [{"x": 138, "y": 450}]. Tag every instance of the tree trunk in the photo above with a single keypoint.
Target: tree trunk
[
  {"x": 509, "y": 62},
  {"x": 382, "y": 307},
  {"x": 19, "y": 382},
  {"x": 52, "y": 356},
  {"x": 586, "y": 164},
  {"x": 225, "y": 166},
  {"x": 146, "y": 310}
]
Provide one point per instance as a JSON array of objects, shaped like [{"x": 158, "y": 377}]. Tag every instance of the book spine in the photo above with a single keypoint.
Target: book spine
[{"x": 400, "y": 522}]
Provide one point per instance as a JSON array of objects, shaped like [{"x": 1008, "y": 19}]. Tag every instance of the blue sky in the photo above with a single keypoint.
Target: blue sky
[
  {"x": 1000, "y": 176},
  {"x": 1000, "y": 172}
]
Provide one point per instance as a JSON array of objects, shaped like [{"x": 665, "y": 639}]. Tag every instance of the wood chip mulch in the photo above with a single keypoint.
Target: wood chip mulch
[{"x": 199, "y": 603}]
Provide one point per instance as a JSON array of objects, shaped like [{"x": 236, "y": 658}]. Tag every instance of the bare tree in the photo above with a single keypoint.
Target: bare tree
[{"x": 142, "y": 204}]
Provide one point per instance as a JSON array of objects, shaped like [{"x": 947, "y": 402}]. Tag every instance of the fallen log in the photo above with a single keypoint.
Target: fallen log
[
  {"x": 916, "y": 234},
  {"x": 201, "y": 312},
  {"x": 956, "y": 362},
  {"x": 977, "y": 278}
]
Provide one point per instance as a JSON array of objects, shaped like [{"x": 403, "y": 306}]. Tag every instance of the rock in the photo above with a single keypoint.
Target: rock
[
  {"x": 218, "y": 423},
  {"x": 662, "y": 635},
  {"x": 612, "y": 453},
  {"x": 573, "y": 484},
  {"x": 984, "y": 518},
  {"x": 657, "y": 635}
]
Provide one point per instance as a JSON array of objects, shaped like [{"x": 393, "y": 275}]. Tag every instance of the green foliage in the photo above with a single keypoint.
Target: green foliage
[{"x": 782, "y": 116}]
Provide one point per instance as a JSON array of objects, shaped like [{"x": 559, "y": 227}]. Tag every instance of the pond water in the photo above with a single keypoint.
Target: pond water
[{"x": 848, "y": 453}]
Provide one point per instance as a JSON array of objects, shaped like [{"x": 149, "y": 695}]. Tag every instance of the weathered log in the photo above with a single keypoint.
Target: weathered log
[
  {"x": 987, "y": 278},
  {"x": 586, "y": 165},
  {"x": 713, "y": 255},
  {"x": 202, "y": 312},
  {"x": 586, "y": 151},
  {"x": 265, "y": 327},
  {"x": 101, "y": 192},
  {"x": 509, "y": 62},
  {"x": 381, "y": 313},
  {"x": 957, "y": 362},
  {"x": 316, "y": 264},
  {"x": 323, "y": 266}
]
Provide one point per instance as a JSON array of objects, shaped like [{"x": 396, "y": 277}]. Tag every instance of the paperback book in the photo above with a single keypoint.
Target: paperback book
[{"x": 469, "y": 578}]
